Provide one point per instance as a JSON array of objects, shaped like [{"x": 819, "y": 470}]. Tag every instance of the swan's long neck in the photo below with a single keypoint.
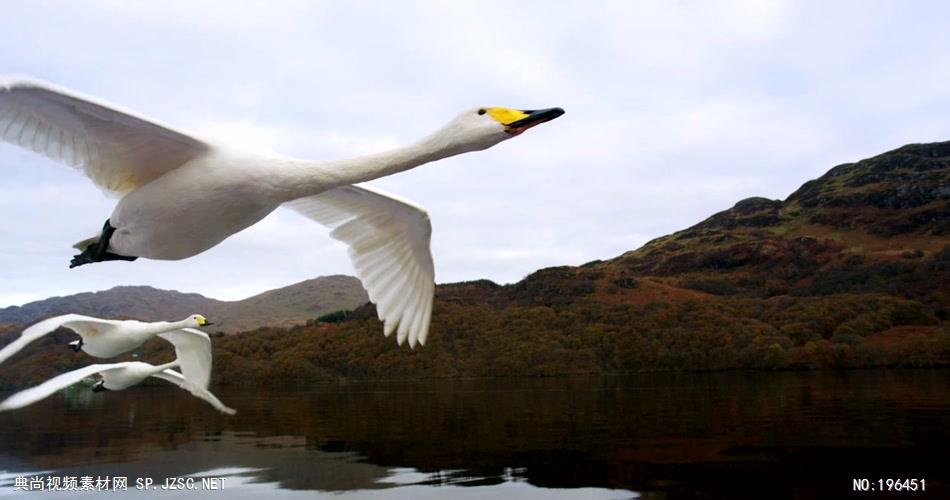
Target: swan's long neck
[
  {"x": 306, "y": 178},
  {"x": 164, "y": 326}
]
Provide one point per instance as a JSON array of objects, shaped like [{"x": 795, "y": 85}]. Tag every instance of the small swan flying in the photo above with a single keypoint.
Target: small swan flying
[
  {"x": 180, "y": 195},
  {"x": 194, "y": 359},
  {"x": 105, "y": 338}
]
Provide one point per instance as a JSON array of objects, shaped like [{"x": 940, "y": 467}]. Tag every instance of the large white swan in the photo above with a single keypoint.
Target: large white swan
[
  {"x": 193, "y": 350},
  {"x": 181, "y": 195},
  {"x": 104, "y": 338}
]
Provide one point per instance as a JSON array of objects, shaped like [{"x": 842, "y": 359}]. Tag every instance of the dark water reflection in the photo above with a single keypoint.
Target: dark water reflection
[{"x": 729, "y": 435}]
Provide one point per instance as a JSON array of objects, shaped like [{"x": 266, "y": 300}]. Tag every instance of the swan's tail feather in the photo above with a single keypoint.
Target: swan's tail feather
[{"x": 82, "y": 245}]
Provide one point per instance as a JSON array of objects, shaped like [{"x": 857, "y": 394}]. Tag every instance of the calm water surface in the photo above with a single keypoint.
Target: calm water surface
[{"x": 727, "y": 435}]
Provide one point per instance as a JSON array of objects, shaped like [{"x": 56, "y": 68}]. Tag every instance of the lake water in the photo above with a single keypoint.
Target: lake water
[{"x": 663, "y": 436}]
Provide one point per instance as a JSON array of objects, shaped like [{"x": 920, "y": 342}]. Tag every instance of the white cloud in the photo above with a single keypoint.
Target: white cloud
[{"x": 674, "y": 111}]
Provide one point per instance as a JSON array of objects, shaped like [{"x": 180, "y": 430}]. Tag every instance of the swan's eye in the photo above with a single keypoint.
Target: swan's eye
[{"x": 481, "y": 111}]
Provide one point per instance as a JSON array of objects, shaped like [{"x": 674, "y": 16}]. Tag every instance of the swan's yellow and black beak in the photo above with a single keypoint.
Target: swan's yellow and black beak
[
  {"x": 517, "y": 121},
  {"x": 203, "y": 321}
]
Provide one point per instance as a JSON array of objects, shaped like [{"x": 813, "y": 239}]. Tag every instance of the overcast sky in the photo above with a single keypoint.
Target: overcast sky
[{"x": 675, "y": 110}]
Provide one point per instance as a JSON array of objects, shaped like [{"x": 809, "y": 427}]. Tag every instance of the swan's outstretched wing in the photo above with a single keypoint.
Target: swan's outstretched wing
[
  {"x": 62, "y": 381},
  {"x": 118, "y": 150},
  {"x": 389, "y": 247},
  {"x": 83, "y": 325},
  {"x": 193, "y": 350},
  {"x": 199, "y": 392}
]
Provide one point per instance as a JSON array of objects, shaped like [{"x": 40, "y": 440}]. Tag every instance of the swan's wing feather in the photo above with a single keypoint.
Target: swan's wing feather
[
  {"x": 170, "y": 375},
  {"x": 83, "y": 325},
  {"x": 193, "y": 350},
  {"x": 199, "y": 392},
  {"x": 59, "y": 382},
  {"x": 117, "y": 149},
  {"x": 388, "y": 241}
]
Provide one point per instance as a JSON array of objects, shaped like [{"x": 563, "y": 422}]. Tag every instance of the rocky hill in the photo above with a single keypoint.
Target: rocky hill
[
  {"x": 138, "y": 302},
  {"x": 287, "y": 306},
  {"x": 893, "y": 208},
  {"x": 887, "y": 215}
]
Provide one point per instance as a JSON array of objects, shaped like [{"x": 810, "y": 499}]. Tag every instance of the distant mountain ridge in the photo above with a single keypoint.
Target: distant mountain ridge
[{"x": 287, "y": 306}]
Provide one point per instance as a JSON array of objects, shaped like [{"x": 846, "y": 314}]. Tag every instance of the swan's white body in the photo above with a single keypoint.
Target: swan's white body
[
  {"x": 193, "y": 207},
  {"x": 182, "y": 196},
  {"x": 193, "y": 349},
  {"x": 103, "y": 338}
]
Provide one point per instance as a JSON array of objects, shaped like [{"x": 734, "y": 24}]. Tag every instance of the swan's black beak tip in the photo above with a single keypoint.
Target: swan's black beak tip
[
  {"x": 535, "y": 117},
  {"x": 542, "y": 115}
]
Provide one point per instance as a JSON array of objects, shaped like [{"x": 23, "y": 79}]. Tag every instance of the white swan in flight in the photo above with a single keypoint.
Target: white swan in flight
[
  {"x": 193, "y": 349},
  {"x": 181, "y": 195},
  {"x": 103, "y": 338}
]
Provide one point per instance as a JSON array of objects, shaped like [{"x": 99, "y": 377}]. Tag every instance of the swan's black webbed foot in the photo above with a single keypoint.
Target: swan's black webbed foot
[
  {"x": 98, "y": 387},
  {"x": 76, "y": 345},
  {"x": 97, "y": 252}
]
